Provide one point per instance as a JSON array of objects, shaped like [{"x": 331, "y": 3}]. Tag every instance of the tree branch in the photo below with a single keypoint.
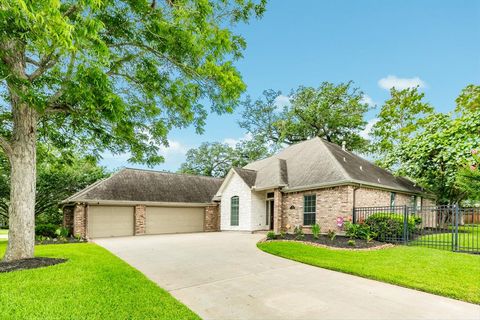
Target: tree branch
[
  {"x": 70, "y": 10},
  {"x": 45, "y": 63},
  {"x": 32, "y": 61},
  {"x": 53, "y": 106},
  {"x": 118, "y": 63},
  {"x": 59, "y": 108}
]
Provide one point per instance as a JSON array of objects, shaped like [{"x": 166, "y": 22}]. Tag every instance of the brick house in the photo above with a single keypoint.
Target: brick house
[
  {"x": 310, "y": 182},
  {"x": 314, "y": 181}
]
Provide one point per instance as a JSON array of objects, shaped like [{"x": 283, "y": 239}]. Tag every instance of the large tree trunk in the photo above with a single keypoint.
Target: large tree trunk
[{"x": 21, "y": 236}]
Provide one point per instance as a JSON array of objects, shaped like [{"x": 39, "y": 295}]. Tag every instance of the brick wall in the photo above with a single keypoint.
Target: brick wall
[
  {"x": 212, "y": 218},
  {"x": 428, "y": 202},
  {"x": 368, "y": 197},
  {"x": 139, "y": 218},
  {"x": 68, "y": 217},
  {"x": 278, "y": 212},
  {"x": 80, "y": 220},
  {"x": 331, "y": 203}
]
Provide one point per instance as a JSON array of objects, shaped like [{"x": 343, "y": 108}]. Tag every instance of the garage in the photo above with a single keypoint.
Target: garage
[
  {"x": 110, "y": 221},
  {"x": 174, "y": 220},
  {"x": 133, "y": 202}
]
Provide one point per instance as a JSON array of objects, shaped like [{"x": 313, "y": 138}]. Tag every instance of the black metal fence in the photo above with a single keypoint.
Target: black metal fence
[{"x": 442, "y": 227}]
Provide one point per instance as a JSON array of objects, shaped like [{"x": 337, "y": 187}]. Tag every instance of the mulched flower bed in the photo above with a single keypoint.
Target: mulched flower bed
[
  {"x": 56, "y": 241},
  {"x": 32, "y": 263},
  {"x": 340, "y": 242}
]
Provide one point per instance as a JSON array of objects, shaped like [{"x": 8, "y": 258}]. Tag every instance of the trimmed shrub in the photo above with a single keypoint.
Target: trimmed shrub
[
  {"x": 271, "y": 235},
  {"x": 46, "y": 230},
  {"x": 358, "y": 231},
  {"x": 388, "y": 226},
  {"x": 62, "y": 232}
]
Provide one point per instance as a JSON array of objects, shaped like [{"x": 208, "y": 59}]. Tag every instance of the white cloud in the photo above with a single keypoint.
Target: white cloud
[
  {"x": 368, "y": 100},
  {"x": 365, "y": 133},
  {"x": 400, "y": 83},
  {"x": 282, "y": 101},
  {"x": 174, "y": 147},
  {"x": 232, "y": 142}
]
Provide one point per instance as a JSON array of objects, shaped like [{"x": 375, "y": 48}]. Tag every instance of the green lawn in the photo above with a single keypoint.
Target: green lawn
[
  {"x": 3, "y": 231},
  {"x": 93, "y": 284},
  {"x": 468, "y": 239},
  {"x": 455, "y": 275}
]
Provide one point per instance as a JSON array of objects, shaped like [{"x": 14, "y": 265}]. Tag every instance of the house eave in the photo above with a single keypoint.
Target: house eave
[
  {"x": 146, "y": 203},
  {"x": 279, "y": 186},
  {"x": 352, "y": 183}
]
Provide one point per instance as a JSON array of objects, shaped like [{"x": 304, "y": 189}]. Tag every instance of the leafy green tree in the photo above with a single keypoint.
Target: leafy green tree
[
  {"x": 261, "y": 118},
  {"x": 212, "y": 159},
  {"x": 469, "y": 177},
  {"x": 398, "y": 120},
  {"x": 434, "y": 155},
  {"x": 114, "y": 75},
  {"x": 215, "y": 159},
  {"x": 57, "y": 178},
  {"x": 249, "y": 150},
  {"x": 333, "y": 112},
  {"x": 469, "y": 99}
]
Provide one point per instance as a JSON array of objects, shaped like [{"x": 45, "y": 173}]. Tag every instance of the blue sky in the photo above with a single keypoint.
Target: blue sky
[{"x": 375, "y": 43}]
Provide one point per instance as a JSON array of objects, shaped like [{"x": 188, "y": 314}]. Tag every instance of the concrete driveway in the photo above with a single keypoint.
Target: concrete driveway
[{"x": 224, "y": 276}]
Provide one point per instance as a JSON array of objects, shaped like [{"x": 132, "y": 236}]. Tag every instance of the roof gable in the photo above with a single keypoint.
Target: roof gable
[
  {"x": 316, "y": 162},
  {"x": 248, "y": 176}
]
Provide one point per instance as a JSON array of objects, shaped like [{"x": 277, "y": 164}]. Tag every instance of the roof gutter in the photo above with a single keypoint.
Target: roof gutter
[
  {"x": 269, "y": 188},
  {"x": 352, "y": 182},
  {"x": 146, "y": 203}
]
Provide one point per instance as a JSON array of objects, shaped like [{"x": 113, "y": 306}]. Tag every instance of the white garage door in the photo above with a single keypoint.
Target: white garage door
[
  {"x": 110, "y": 221},
  {"x": 174, "y": 220}
]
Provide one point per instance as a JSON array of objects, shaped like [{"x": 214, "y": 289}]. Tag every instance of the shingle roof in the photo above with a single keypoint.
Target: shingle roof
[
  {"x": 317, "y": 162},
  {"x": 150, "y": 186},
  {"x": 248, "y": 176}
]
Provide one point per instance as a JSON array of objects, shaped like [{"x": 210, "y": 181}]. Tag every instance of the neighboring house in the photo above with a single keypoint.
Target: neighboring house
[{"x": 310, "y": 182}]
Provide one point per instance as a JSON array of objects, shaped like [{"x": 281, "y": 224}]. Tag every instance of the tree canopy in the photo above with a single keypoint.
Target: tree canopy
[
  {"x": 430, "y": 147},
  {"x": 334, "y": 112},
  {"x": 215, "y": 159},
  {"x": 58, "y": 177},
  {"x": 98, "y": 75},
  {"x": 399, "y": 119},
  {"x": 469, "y": 177},
  {"x": 119, "y": 75}
]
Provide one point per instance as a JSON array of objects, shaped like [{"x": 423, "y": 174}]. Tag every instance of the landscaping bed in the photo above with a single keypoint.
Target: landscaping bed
[
  {"x": 58, "y": 240},
  {"x": 338, "y": 242},
  {"x": 32, "y": 263}
]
